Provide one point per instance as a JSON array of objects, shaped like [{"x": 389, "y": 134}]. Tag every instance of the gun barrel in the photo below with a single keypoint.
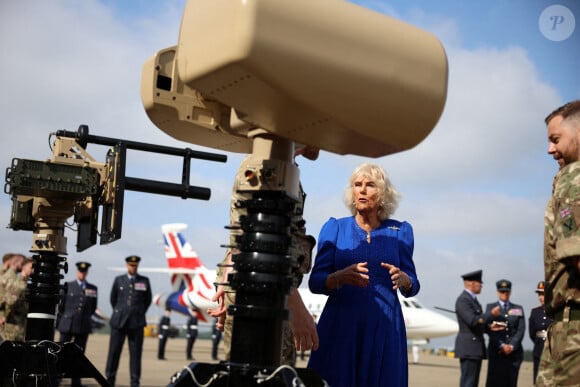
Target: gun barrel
[
  {"x": 165, "y": 188},
  {"x": 83, "y": 137}
]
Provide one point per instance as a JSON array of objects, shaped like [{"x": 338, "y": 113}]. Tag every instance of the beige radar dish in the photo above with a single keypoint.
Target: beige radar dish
[{"x": 326, "y": 73}]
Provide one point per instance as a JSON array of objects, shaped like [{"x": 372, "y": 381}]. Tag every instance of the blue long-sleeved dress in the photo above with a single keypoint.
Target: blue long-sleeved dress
[{"x": 361, "y": 330}]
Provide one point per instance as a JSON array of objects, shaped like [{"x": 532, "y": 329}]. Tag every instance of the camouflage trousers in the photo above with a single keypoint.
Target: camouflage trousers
[
  {"x": 560, "y": 361},
  {"x": 288, "y": 355}
]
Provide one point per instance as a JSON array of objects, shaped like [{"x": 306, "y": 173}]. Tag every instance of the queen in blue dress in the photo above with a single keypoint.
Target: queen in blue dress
[{"x": 362, "y": 261}]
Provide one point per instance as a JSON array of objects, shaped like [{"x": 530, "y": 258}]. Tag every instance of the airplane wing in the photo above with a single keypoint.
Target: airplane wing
[
  {"x": 421, "y": 323},
  {"x": 117, "y": 268}
]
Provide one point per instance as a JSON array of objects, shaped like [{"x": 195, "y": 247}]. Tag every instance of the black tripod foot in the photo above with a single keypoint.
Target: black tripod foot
[
  {"x": 44, "y": 363},
  {"x": 234, "y": 375}
]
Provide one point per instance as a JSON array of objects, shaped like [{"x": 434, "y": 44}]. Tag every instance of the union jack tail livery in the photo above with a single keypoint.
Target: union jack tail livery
[{"x": 192, "y": 282}]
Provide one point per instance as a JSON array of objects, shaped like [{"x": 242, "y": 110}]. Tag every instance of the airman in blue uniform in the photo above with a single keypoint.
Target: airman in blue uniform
[
  {"x": 469, "y": 343},
  {"x": 75, "y": 311},
  {"x": 130, "y": 298},
  {"x": 163, "y": 333},
  {"x": 191, "y": 334},
  {"x": 538, "y": 327},
  {"x": 216, "y": 337},
  {"x": 506, "y": 326}
]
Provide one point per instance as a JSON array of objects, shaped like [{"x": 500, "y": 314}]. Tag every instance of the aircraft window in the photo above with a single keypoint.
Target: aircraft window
[
  {"x": 407, "y": 305},
  {"x": 417, "y": 305}
]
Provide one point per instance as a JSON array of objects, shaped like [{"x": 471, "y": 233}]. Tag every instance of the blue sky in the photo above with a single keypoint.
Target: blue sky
[{"x": 475, "y": 190}]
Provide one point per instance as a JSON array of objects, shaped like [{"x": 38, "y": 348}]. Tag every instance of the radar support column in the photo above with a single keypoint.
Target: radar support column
[
  {"x": 44, "y": 288},
  {"x": 267, "y": 189}
]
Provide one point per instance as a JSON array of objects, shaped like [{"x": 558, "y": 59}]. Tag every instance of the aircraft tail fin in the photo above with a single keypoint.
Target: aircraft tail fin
[
  {"x": 190, "y": 279},
  {"x": 178, "y": 251}
]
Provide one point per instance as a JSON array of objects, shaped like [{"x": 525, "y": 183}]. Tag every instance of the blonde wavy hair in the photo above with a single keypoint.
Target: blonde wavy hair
[{"x": 389, "y": 197}]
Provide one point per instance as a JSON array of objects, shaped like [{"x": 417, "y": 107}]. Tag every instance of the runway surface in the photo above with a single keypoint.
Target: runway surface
[{"x": 431, "y": 370}]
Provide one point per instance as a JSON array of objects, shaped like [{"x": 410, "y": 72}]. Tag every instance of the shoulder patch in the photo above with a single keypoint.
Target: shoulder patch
[{"x": 564, "y": 212}]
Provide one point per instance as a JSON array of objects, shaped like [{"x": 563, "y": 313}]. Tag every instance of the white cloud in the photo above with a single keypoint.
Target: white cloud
[{"x": 477, "y": 215}]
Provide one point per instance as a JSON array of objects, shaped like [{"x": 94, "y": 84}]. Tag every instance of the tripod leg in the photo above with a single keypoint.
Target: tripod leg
[{"x": 74, "y": 363}]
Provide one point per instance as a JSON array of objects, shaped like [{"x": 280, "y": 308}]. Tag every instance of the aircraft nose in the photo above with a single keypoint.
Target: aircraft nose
[{"x": 448, "y": 326}]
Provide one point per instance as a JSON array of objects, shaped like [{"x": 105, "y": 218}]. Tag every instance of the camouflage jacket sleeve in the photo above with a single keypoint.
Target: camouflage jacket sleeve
[
  {"x": 566, "y": 202},
  {"x": 13, "y": 288}
]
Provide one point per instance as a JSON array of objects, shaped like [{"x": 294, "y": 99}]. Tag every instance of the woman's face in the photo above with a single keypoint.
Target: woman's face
[{"x": 366, "y": 194}]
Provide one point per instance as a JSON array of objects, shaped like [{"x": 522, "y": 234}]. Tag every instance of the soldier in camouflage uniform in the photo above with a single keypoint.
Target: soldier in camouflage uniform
[
  {"x": 11, "y": 266},
  {"x": 11, "y": 260},
  {"x": 560, "y": 361},
  {"x": 13, "y": 323},
  {"x": 300, "y": 332}
]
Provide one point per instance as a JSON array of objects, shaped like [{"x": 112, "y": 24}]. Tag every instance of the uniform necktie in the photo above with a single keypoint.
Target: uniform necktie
[{"x": 83, "y": 285}]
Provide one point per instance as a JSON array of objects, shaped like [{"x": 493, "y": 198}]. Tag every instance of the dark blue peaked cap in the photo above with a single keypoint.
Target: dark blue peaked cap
[
  {"x": 473, "y": 276},
  {"x": 133, "y": 259},
  {"x": 504, "y": 285},
  {"x": 83, "y": 266}
]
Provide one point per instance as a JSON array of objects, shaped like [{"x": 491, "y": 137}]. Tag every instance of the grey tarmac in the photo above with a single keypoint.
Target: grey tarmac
[{"x": 432, "y": 370}]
